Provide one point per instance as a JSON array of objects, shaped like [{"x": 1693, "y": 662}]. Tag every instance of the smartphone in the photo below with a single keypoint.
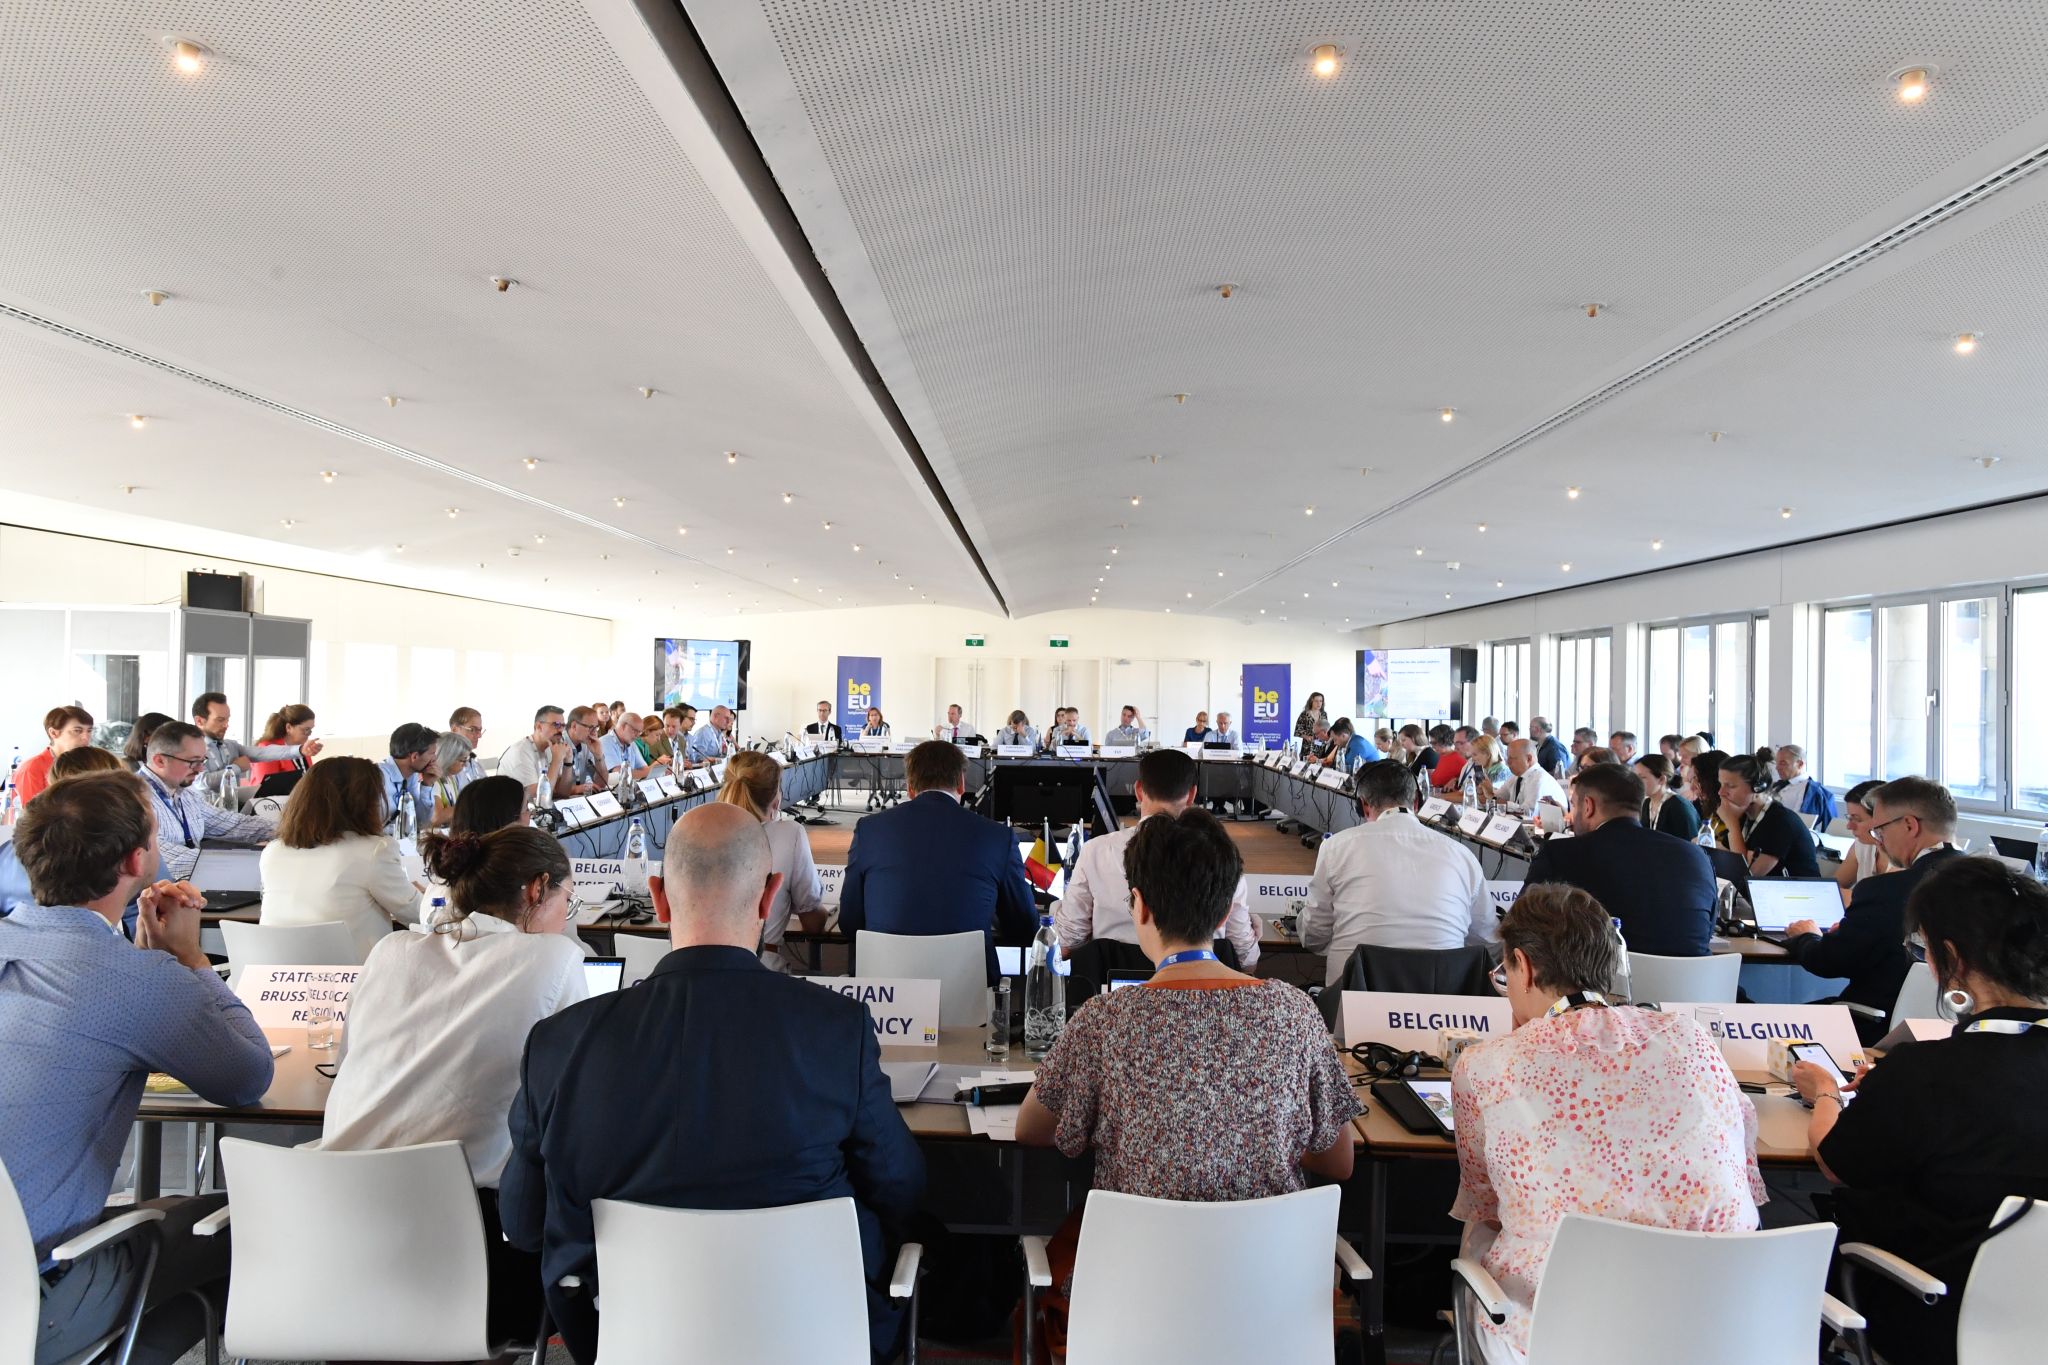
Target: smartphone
[{"x": 1818, "y": 1055}]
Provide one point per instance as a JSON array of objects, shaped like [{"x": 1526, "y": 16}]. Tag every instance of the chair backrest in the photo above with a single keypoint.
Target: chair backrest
[
  {"x": 958, "y": 962},
  {"x": 1275, "y": 1255},
  {"x": 20, "y": 1286},
  {"x": 327, "y": 943},
  {"x": 2001, "y": 1316},
  {"x": 698, "y": 1284},
  {"x": 1917, "y": 995},
  {"x": 1706, "y": 980},
  {"x": 642, "y": 955},
  {"x": 1614, "y": 1290},
  {"x": 354, "y": 1255}
]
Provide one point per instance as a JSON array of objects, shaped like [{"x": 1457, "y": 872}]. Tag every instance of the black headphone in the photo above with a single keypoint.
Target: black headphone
[{"x": 1386, "y": 1063}]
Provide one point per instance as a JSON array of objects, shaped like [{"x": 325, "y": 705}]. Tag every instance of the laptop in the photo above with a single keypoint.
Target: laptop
[
  {"x": 1120, "y": 979},
  {"x": 603, "y": 975},
  {"x": 229, "y": 877},
  {"x": 280, "y": 784},
  {"x": 1778, "y": 901},
  {"x": 2023, "y": 849}
]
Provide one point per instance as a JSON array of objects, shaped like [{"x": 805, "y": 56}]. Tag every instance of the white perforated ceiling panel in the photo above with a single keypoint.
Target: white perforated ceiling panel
[
  {"x": 325, "y": 203},
  {"x": 1028, "y": 208}
]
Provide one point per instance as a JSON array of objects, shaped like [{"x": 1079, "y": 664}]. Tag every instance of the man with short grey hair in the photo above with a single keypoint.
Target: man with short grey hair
[
  {"x": 1532, "y": 784},
  {"x": 1623, "y": 742},
  {"x": 1550, "y": 755},
  {"x": 601, "y": 1116},
  {"x": 1801, "y": 793},
  {"x": 177, "y": 755},
  {"x": 713, "y": 739}
]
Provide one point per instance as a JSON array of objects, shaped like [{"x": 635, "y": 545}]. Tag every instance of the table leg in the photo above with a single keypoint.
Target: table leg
[
  {"x": 149, "y": 1162},
  {"x": 1375, "y": 1289}
]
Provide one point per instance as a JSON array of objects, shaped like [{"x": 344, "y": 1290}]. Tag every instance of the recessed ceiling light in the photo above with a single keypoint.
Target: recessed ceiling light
[
  {"x": 1656, "y": 544},
  {"x": 1219, "y": 572},
  {"x": 1966, "y": 342},
  {"x": 1566, "y": 566},
  {"x": 1451, "y": 564},
  {"x": 682, "y": 530},
  {"x": 1325, "y": 60},
  {"x": 501, "y": 283},
  {"x": 453, "y": 512},
  {"x": 137, "y": 420},
  {"x": 1262, "y": 611},
  {"x": 1911, "y": 84},
  {"x": 732, "y": 457},
  {"x": 1785, "y": 514},
  {"x": 1593, "y": 309},
  {"x": 1169, "y": 611},
  {"x": 1418, "y": 550},
  {"x": 1308, "y": 511},
  {"x": 1304, "y": 594},
  {"x": 856, "y": 547},
  {"x": 646, "y": 392},
  {"x": 1105, "y": 568},
  {"x": 187, "y": 57},
  {"x": 398, "y": 549},
  {"x": 1180, "y": 398},
  {"x": 1499, "y": 583},
  {"x": 788, "y": 498},
  {"x": 1226, "y": 290},
  {"x": 1112, "y": 549},
  {"x": 1482, "y": 528},
  {"x": 390, "y": 400},
  {"x": 540, "y": 538},
  {"x": 1447, "y": 414},
  {"x": 1572, "y": 492},
  {"x": 530, "y": 463},
  {"x": 1191, "y": 595},
  {"x": 1135, "y": 499},
  {"x": 1986, "y": 461},
  {"x": 1333, "y": 582},
  {"x": 1447, "y": 597},
  {"x": 156, "y": 297},
  {"x": 618, "y": 502},
  {"x": 287, "y": 523},
  {"x": 828, "y": 525},
  {"x": 728, "y": 550},
  {"x": 794, "y": 579},
  {"x": 1714, "y": 437}
]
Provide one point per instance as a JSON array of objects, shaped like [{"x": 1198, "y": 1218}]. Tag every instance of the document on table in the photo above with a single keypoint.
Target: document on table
[
  {"x": 907, "y": 1080},
  {"x": 996, "y": 1122}
]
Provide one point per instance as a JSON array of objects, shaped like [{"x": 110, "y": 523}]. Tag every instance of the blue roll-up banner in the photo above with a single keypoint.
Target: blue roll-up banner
[
  {"x": 1268, "y": 720},
  {"x": 860, "y": 686}
]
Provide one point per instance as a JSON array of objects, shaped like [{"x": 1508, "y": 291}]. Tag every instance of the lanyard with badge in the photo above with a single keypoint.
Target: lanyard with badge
[
  {"x": 176, "y": 808},
  {"x": 1191, "y": 955},
  {"x": 2010, "y": 1027},
  {"x": 1574, "y": 1001}
]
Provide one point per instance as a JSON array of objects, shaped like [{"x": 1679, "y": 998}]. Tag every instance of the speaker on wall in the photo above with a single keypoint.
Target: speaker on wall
[{"x": 217, "y": 591}]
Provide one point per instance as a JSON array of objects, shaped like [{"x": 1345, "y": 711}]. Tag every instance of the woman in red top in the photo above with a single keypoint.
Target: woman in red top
[
  {"x": 291, "y": 724},
  {"x": 69, "y": 727}
]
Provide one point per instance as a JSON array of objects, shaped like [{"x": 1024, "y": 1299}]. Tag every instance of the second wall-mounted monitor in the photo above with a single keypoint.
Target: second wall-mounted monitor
[{"x": 701, "y": 673}]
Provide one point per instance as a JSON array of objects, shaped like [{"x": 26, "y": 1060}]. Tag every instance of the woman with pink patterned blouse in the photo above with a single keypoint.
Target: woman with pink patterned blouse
[{"x": 1616, "y": 1112}]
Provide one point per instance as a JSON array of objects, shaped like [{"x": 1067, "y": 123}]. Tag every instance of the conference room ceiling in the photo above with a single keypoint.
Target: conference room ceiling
[
  {"x": 324, "y": 203},
  {"x": 1028, "y": 212}
]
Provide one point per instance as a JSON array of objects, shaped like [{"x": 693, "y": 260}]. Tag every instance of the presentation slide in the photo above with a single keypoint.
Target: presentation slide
[
  {"x": 701, "y": 673},
  {"x": 1405, "y": 684}
]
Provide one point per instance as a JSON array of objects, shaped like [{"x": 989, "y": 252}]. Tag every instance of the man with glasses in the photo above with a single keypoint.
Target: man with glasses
[
  {"x": 177, "y": 756},
  {"x": 587, "y": 771},
  {"x": 620, "y": 750},
  {"x": 1913, "y": 821},
  {"x": 468, "y": 722},
  {"x": 542, "y": 757}
]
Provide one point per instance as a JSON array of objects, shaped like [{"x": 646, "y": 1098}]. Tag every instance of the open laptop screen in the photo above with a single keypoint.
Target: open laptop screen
[
  {"x": 228, "y": 869},
  {"x": 603, "y": 975},
  {"x": 1779, "y": 901}
]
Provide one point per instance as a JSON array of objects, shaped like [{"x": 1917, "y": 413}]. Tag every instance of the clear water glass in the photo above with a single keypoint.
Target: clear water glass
[
  {"x": 323, "y": 1028},
  {"x": 997, "y": 1044}
]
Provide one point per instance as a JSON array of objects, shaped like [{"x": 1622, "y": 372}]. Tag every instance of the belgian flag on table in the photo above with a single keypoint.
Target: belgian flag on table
[{"x": 1043, "y": 858}]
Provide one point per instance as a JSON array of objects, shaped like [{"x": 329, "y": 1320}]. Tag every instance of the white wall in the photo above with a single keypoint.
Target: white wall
[
  {"x": 795, "y": 655},
  {"x": 381, "y": 654}
]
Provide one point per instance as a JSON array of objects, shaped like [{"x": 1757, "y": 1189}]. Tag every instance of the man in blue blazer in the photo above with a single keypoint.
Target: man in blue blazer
[
  {"x": 1661, "y": 888},
  {"x": 931, "y": 866},
  {"x": 714, "y": 1084}
]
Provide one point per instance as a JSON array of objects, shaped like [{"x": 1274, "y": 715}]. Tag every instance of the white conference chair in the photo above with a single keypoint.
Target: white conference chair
[
  {"x": 1619, "y": 1291},
  {"x": 713, "y": 1284},
  {"x": 327, "y": 943},
  {"x": 642, "y": 954},
  {"x": 21, "y": 1282},
  {"x": 1999, "y": 1321},
  {"x": 958, "y": 962},
  {"x": 1274, "y": 1254},
  {"x": 354, "y": 1255},
  {"x": 1917, "y": 995},
  {"x": 1708, "y": 980}
]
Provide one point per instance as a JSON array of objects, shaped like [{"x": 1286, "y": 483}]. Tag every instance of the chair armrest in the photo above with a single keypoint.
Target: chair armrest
[
  {"x": 1869, "y": 1011},
  {"x": 1896, "y": 1269},
  {"x": 909, "y": 1259},
  {"x": 1489, "y": 1294},
  {"x": 1037, "y": 1268},
  {"x": 1354, "y": 1264},
  {"x": 211, "y": 1225},
  {"x": 1840, "y": 1316},
  {"x": 104, "y": 1234},
  {"x": 569, "y": 1282}
]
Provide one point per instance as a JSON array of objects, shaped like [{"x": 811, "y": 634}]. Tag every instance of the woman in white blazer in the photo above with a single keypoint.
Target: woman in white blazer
[{"x": 330, "y": 859}]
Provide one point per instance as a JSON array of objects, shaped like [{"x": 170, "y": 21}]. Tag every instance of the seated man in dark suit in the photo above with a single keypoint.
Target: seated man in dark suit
[
  {"x": 1660, "y": 888},
  {"x": 931, "y": 866},
  {"x": 714, "y": 1084},
  {"x": 1912, "y": 820}
]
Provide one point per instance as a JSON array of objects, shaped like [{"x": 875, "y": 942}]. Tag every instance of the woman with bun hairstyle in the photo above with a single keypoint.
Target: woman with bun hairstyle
[{"x": 438, "y": 1022}]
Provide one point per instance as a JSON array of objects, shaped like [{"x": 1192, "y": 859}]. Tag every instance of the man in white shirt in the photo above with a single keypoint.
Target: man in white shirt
[
  {"x": 1392, "y": 882},
  {"x": 1223, "y": 734},
  {"x": 1097, "y": 903},
  {"x": 1532, "y": 781},
  {"x": 542, "y": 757},
  {"x": 407, "y": 772},
  {"x": 468, "y": 722},
  {"x": 823, "y": 727},
  {"x": 955, "y": 729}
]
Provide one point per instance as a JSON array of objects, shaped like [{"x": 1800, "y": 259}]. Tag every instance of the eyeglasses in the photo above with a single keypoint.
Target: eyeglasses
[
  {"x": 1874, "y": 830},
  {"x": 198, "y": 762},
  {"x": 1916, "y": 947},
  {"x": 1499, "y": 977}
]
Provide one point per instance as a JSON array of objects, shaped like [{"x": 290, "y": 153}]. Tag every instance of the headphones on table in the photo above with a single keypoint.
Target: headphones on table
[{"x": 1383, "y": 1062}]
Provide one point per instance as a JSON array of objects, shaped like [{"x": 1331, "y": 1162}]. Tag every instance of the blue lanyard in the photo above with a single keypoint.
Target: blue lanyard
[
  {"x": 176, "y": 808},
  {"x": 2007, "y": 1026},
  {"x": 1191, "y": 955}
]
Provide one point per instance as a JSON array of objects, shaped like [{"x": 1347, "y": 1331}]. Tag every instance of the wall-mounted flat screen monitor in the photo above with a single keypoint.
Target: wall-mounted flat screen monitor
[
  {"x": 701, "y": 673},
  {"x": 1409, "y": 684}
]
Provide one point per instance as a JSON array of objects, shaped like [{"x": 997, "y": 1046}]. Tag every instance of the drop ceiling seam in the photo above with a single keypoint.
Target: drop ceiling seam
[{"x": 1937, "y": 214}]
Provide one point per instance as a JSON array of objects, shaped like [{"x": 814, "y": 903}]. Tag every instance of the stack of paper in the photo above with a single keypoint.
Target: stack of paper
[{"x": 996, "y": 1122}]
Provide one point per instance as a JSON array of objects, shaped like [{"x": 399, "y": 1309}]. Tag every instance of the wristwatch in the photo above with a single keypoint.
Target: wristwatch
[{"x": 1841, "y": 1101}]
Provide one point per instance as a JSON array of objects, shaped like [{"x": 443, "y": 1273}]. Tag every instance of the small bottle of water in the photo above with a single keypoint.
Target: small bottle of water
[
  {"x": 1468, "y": 789},
  {"x": 1045, "y": 993},
  {"x": 1624, "y": 984},
  {"x": 227, "y": 787},
  {"x": 408, "y": 819},
  {"x": 9, "y": 808},
  {"x": 636, "y": 858},
  {"x": 2041, "y": 856},
  {"x": 437, "y": 911}
]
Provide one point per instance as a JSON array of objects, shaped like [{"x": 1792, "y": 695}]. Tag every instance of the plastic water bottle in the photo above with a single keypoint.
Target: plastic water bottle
[
  {"x": 408, "y": 819},
  {"x": 227, "y": 787},
  {"x": 1624, "y": 984},
  {"x": 636, "y": 858},
  {"x": 1468, "y": 788},
  {"x": 2041, "y": 856},
  {"x": 437, "y": 910},
  {"x": 1045, "y": 993},
  {"x": 9, "y": 808}
]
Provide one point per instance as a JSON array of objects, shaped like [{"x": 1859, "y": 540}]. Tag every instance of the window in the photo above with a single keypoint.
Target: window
[
  {"x": 2030, "y": 679},
  {"x": 1709, "y": 677},
  {"x": 1916, "y": 687},
  {"x": 1585, "y": 677},
  {"x": 1507, "y": 679},
  {"x": 1732, "y": 693},
  {"x": 1663, "y": 691}
]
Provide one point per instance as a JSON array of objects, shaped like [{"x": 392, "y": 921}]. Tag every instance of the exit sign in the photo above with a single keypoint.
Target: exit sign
[
  {"x": 1057, "y": 642},
  {"x": 975, "y": 642}
]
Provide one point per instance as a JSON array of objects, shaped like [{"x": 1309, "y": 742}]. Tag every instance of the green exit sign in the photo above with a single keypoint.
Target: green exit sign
[
  {"x": 1057, "y": 642},
  {"x": 975, "y": 642}
]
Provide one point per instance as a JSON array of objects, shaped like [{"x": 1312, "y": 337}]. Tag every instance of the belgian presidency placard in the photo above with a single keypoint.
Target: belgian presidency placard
[
  {"x": 903, "y": 1012},
  {"x": 1264, "y": 716},
  {"x": 859, "y": 687}
]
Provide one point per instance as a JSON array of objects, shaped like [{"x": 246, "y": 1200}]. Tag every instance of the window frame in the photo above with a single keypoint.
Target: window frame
[
  {"x": 1600, "y": 699},
  {"x": 1759, "y": 693}
]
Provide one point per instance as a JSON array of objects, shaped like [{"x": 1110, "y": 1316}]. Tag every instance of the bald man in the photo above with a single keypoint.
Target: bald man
[{"x": 765, "y": 1090}]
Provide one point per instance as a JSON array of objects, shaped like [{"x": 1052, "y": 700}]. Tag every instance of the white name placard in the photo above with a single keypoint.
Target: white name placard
[
  {"x": 902, "y": 746},
  {"x": 1403, "y": 1020},
  {"x": 1330, "y": 777},
  {"x": 831, "y": 877},
  {"x": 280, "y": 996},
  {"x": 718, "y": 772},
  {"x": 1273, "y": 894},
  {"x": 1745, "y": 1032},
  {"x": 1013, "y": 751},
  {"x": 1502, "y": 894},
  {"x": 1220, "y": 755},
  {"x": 576, "y": 810},
  {"x": 1499, "y": 830},
  {"x": 1119, "y": 751},
  {"x": 903, "y": 1012},
  {"x": 650, "y": 790},
  {"x": 1470, "y": 822},
  {"x": 1436, "y": 808},
  {"x": 871, "y": 745},
  {"x": 668, "y": 784},
  {"x": 781, "y": 760},
  {"x": 971, "y": 750},
  {"x": 828, "y": 746},
  {"x": 1075, "y": 751}
]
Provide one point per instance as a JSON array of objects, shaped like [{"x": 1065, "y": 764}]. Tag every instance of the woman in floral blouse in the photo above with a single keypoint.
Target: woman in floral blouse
[
  {"x": 1204, "y": 1083},
  {"x": 1311, "y": 716},
  {"x": 1613, "y": 1111}
]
